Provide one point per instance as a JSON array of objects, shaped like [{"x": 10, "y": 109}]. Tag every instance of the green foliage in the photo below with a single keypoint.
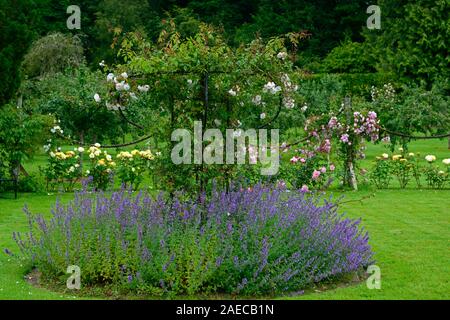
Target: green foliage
[
  {"x": 114, "y": 17},
  {"x": 31, "y": 183},
  {"x": 402, "y": 169},
  {"x": 325, "y": 92},
  {"x": 413, "y": 40},
  {"x": 52, "y": 54},
  {"x": 360, "y": 84},
  {"x": 15, "y": 37},
  {"x": 322, "y": 93},
  {"x": 349, "y": 57},
  {"x": 337, "y": 19},
  {"x": 21, "y": 134},
  {"x": 300, "y": 174},
  {"x": 435, "y": 176},
  {"x": 63, "y": 169},
  {"x": 414, "y": 109},
  {"x": 176, "y": 70},
  {"x": 406, "y": 166},
  {"x": 69, "y": 97},
  {"x": 131, "y": 167}
]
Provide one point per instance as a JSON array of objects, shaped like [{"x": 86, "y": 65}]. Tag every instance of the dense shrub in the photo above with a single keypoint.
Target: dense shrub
[
  {"x": 52, "y": 54},
  {"x": 260, "y": 240},
  {"x": 31, "y": 183},
  {"x": 405, "y": 166},
  {"x": 349, "y": 57},
  {"x": 20, "y": 136},
  {"x": 412, "y": 109}
]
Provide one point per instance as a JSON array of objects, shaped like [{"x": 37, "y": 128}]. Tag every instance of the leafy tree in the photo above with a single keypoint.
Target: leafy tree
[
  {"x": 53, "y": 53},
  {"x": 252, "y": 86},
  {"x": 114, "y": 17},
  {"x": 69, "y": 97},
  {"x": 328, "y": 22},
  {"x": 349, "y": 57},
  {"x": 21, "y": 134},
  {"x": 414, "y": 109},
  {"x": 15, "y": 37},
  {"x": 413, "y": 40}
]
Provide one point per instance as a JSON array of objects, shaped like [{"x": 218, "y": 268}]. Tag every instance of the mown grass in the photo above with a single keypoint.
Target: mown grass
[
  {"x": 409, "y": 231},
  {"x": 410, "y": 234}
]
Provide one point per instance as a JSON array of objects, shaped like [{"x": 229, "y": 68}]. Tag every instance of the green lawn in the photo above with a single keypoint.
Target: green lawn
[
  {"x": 410, "y": 234},
  {"x": 12, "y": 282},
  {"x": 409, "y": 231}
]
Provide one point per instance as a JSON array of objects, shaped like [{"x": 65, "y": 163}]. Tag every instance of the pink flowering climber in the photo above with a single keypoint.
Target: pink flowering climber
[
  {"x": 316, "y": 175},
  {"x": 344, "y": 138},
  {"x": 294, "y": 159}
]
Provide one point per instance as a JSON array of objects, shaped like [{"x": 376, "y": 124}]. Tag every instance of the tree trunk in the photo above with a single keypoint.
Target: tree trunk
[{"x": 350, "y": 176}]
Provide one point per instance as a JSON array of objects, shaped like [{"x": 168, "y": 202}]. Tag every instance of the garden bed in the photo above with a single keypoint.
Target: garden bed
[
  {"x": 34, "y": 278},
  {"x": 260, "y": 241}
]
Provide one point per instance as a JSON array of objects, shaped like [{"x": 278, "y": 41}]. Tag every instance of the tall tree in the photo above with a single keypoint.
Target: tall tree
[
  {"x": 114, "y": 16},
  {"x": 15, "y": 37},
  {"x": 413, "y": 39}
]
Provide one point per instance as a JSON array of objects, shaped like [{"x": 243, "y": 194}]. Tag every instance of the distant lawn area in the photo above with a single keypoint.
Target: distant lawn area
[{"x": 409, "y": 232}]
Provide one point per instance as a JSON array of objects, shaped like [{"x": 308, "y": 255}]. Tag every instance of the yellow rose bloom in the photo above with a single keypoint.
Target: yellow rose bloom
[
  {"x": 124, "y": 154},
  {"x": 61, "y": 155}
]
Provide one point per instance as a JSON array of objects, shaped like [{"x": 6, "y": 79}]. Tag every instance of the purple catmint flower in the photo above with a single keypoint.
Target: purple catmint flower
[{"x": 262, "y": 238}]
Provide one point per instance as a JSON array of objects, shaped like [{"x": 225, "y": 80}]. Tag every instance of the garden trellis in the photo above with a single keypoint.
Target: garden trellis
[
  {"x": 203, "y": 79},
  {"x": 349, "y": 158},
  {"x": 204, "y": 98}
]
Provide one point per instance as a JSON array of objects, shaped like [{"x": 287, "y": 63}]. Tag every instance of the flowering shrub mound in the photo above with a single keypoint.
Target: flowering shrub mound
[
  {"x": 405, "y": 165},
  {"x": 256, "y": 241}
]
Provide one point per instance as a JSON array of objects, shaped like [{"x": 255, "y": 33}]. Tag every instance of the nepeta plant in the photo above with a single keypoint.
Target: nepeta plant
[{"x": 252, "y": 241}]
